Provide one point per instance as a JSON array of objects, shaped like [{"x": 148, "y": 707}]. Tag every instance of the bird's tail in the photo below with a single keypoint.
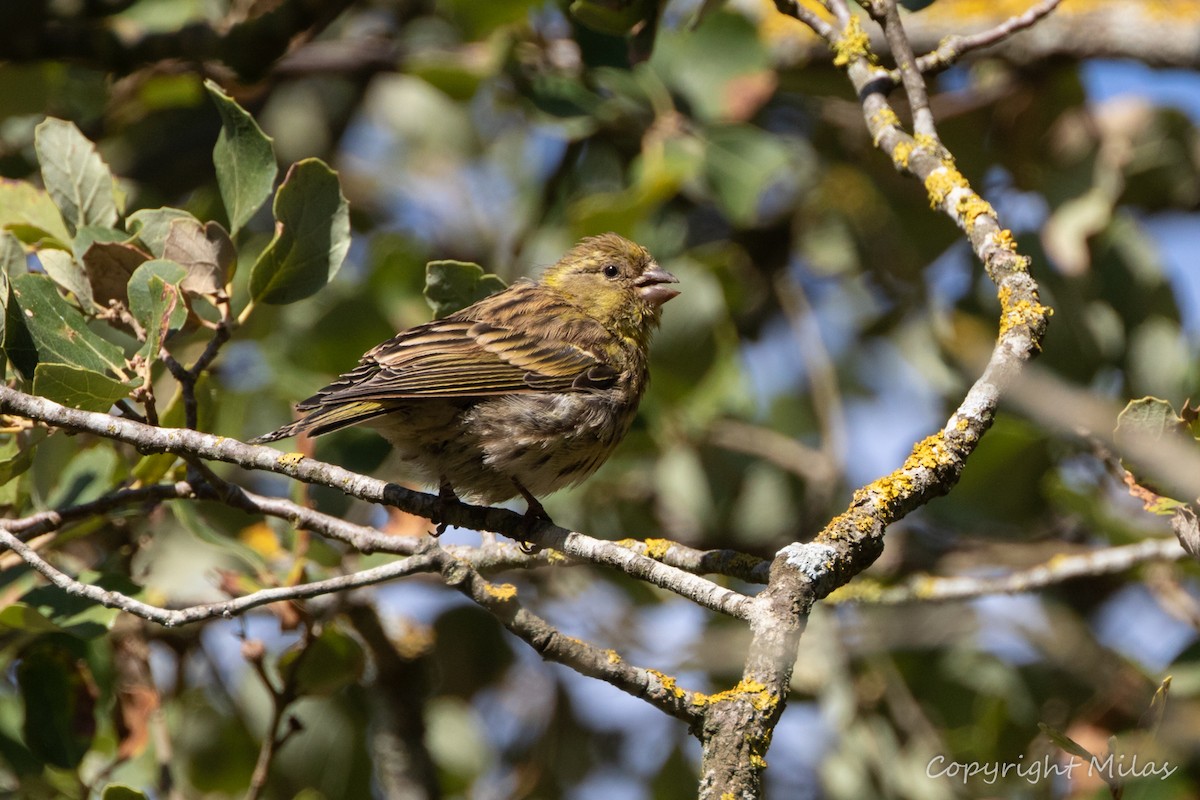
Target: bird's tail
[{"x": 324, "y": 419}]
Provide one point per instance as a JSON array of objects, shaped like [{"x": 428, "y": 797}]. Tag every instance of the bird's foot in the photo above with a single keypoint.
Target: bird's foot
[
  {"x": 447, "y": 497},
  {"x": 535, "y": 516}
]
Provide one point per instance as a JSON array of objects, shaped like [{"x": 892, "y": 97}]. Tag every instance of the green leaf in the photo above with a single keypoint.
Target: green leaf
[
  {"x": 18, "y": 343},
  {"x": 81, "y": 617},
  {"x": 152, "y": 225},
  {"x": 77, "y": 387},
  {"x": 1153, "y": 716},
  {"x": 16, "y": 455},
  {"x": 454, "y": 285},
  {"x": 67, "y": 273},
  {"x": 1066, "y": 743},
  {"x": 1150, "y": 419},
  {"x": 244, "y": 160},
  {"x": 59, "y": 706},
  {"x": 27, "y": 619},
  {"x": 12, "y": 258},
  {"x": 743, "y": 164},
  {"x": 326, "y": 664},
  {"x": 78, "y": 180},
  {"x": 30, "y": 214},
  {"x": 156, "y": 301},
  {"x": 118, "y": 791},
  {"x": 88, "y": 476},
  {"x": 614, "y": 17},
  {"x": 88, "y": 235},
  {"x": 57, "y": 330},
  {"x": 193, "y": 519},
  {"x": 12, "y": 263},
  {"x": 312, "y": 235},
  {"x": 205, "y": 251}
]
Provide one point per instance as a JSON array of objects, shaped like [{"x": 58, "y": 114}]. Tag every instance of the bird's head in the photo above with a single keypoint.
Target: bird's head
[{"x": 614, "y": 281}]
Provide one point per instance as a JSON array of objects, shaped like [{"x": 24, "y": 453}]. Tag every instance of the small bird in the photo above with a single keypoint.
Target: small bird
[{"x": 522, "y": 393}]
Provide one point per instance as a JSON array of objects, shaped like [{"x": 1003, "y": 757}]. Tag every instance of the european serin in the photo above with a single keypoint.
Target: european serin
[{"x": 524, "y": 392}]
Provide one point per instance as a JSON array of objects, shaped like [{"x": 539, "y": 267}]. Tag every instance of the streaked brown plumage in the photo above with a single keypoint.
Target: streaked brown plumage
[{"x": 524, "y": 392}]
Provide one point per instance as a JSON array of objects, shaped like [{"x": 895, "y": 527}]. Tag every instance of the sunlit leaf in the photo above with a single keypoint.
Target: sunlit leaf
[
  {"x": 67, "y": 273},
  {"x": 156, "y": 301},
  {"x": 57, "y": 330},
  {"x": 30, "y": 214},
  {"x": 244, "y": 159},
  {"x": 312, "y": 236},
  {"x": 77, "y": 387},
  {"x": 152, "y": 225},
  {"x": 76, "y": 177},
  {"x": 205, "y": 251}
]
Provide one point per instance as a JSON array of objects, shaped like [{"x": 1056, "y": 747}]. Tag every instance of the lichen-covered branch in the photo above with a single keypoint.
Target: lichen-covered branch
[
  {"x": 737, "y": 728},
  {"x": 1061, "y": 568},
  {"x": 657, "y": 688},
  {"x": 190, "y": 443}
]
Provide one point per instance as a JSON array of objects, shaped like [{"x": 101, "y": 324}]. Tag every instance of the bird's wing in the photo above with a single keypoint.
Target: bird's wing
[{"x": 463, "y": 358}]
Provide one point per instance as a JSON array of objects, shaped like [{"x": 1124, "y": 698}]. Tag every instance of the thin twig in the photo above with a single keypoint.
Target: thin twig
[
  {"x": 953, "y": 48},
  {"x": 226, "y": 608},
  {"x": 792, "y": 8},
  {"x": 281, "y": 698},
  {"x": 888, "y": 15},
  {"x": 1061, "y": 568}
]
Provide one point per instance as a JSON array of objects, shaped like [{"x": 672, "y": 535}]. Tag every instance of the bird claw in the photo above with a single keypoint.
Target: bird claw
[
  {"x": 446, "y": 496},
  {"x": 535, "y": 517}
]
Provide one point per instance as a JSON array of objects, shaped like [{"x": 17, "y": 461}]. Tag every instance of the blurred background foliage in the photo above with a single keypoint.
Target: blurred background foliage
[{"x": 827, "y": 321}]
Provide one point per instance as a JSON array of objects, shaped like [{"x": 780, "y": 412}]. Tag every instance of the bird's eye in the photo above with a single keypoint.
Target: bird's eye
[{"x": 612, "y": 271}]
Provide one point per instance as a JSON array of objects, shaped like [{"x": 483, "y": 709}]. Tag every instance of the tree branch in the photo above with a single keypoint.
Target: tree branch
[
  {"x": 1060, "y": 569},
  {"x": 955, "y": 47},
  {"x": 737, "y": 729},
  {"x": 660, "y": 690},
  {"x": 420, "y": 562},
  {"x": 188, "y": 443}
]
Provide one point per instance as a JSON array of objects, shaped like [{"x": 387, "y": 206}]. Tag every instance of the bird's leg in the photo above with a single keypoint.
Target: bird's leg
[
  {"x": 534, "y": 513},
  {"x": 447, "y": 496}
]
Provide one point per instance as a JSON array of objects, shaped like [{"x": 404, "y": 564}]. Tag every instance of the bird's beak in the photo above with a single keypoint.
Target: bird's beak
[{"x": 652, "y": 285}]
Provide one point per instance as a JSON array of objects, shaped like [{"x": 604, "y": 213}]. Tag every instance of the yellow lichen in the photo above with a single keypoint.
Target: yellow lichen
[
  {"x": 657, "y": 548},
  {"x": 668, "y": 683},
  {"x": 853, "y": 43},
  {"x": 941, "y": 182},
  {"x": 883, "y": 119},
  {"x": 931, "y": 143},
  {"x": 501, "y": 591},
  {"x": 1004, "y": 240},
  {"x": 902, "y": 152},
  {"x": 970, "y": 208},
  {"x": 1023, "y": 312},
  {"x": 759, "y": 696},
  {"x": 613, "y": 656},
  {"x": 289, "y": 459}
]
